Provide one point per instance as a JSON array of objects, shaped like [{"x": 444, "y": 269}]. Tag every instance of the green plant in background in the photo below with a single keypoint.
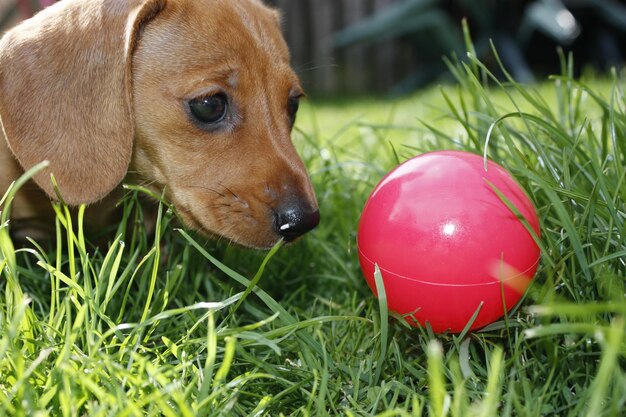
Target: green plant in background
[
  {"x": 431, "y": 26},
  {"x": 173, "y": 325}
]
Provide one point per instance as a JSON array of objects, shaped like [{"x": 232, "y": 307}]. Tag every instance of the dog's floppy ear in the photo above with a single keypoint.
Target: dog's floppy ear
[{"x": 65, "y": 93}]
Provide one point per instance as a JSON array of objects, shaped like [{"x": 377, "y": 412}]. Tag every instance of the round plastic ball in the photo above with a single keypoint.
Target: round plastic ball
[{"x": 447, "y": 245}]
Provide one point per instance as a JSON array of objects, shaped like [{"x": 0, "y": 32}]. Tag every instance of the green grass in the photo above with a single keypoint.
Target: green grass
[{"x": 183, "y": 326}]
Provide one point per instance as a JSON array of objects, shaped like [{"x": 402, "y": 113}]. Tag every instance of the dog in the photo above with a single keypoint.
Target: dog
[{"x": 193, "y": 97}]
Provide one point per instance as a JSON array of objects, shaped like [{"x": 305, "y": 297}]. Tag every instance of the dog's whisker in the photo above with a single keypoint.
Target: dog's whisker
[
  {"x": 207, "y": 189},
  {"x": 309, "y": 67},
  {"x": 229, "y": 190}
]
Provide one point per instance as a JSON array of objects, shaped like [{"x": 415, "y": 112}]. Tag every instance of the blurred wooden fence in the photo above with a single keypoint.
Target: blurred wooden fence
[{"x": 309, "y": 26}]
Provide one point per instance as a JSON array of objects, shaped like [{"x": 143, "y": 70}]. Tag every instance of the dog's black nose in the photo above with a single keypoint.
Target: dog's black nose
[{"x": 292, "y": 220}]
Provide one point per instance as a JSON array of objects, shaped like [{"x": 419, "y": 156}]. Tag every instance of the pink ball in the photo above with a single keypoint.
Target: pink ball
[{"x": 446, "y": 243}]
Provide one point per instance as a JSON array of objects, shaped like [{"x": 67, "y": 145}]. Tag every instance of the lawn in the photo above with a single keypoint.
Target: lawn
[{"x": 181, "y": 326}]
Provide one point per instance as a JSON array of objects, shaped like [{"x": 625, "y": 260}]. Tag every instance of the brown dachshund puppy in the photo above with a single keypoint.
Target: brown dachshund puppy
[{"x": 196, "y": 97}]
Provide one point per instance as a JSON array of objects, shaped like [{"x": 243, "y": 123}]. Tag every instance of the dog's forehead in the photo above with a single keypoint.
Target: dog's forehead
[
  {"x": 243, "y": 23},
  {"x": 194, "y": 43}
]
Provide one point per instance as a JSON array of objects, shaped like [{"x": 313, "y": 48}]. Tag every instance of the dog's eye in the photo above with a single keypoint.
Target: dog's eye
[
  {"x": 292, "y": 108},
  {"x": 209, "y": 109}
]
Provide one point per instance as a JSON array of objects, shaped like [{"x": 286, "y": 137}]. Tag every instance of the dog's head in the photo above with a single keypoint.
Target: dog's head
[{"x": 194, "y": 96}]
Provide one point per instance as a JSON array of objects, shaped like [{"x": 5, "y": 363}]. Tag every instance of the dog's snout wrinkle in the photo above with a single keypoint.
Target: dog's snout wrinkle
[{"x": 293, "y": 219}]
